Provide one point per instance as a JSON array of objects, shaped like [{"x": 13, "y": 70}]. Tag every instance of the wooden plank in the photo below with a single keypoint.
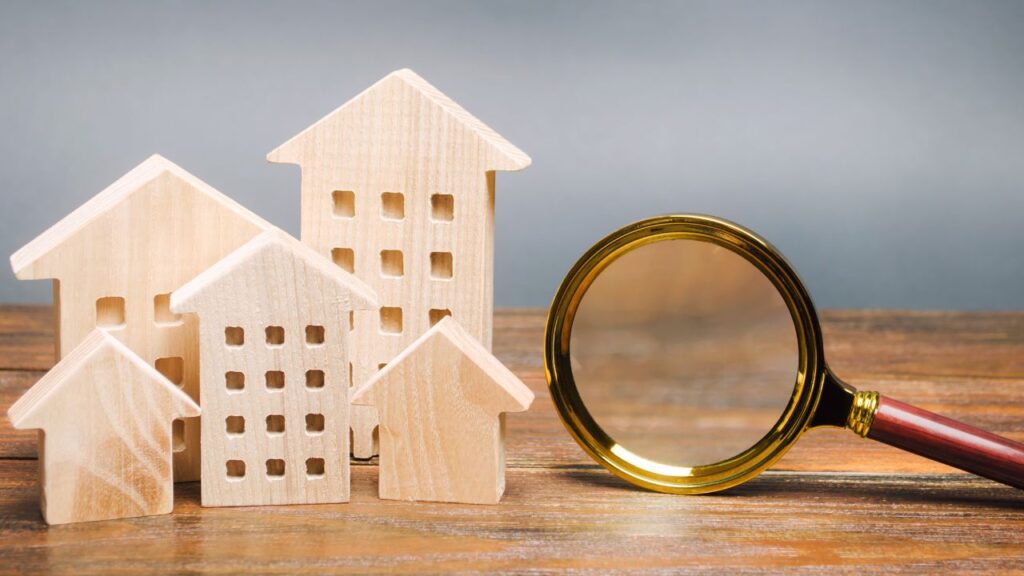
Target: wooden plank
[
  {"x": 835, "y": 501},
  {"x": 860, "y": 344},
  {"x": 26, "y": 337},
  {"x": 537, "y": 439},
  {"x": 989, "y": 396},
  {"x": 865, "y": 344},
  {"x": 16, "y": 443},
  {"x": 550, "y": 519}
]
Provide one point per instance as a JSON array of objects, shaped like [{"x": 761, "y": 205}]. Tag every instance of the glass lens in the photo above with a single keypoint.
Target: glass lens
[{"x": 684, "y": 352}]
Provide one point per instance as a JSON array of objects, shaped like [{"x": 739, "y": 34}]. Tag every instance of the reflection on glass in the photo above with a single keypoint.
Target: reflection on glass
[{"x": 684, "y": 352}]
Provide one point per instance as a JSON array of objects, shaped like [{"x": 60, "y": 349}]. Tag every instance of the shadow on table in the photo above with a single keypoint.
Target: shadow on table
[{"x": 934, "y": 489}]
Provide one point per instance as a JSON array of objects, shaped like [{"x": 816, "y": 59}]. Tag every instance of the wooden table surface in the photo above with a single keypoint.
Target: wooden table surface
[{"x": 835, "y": 502}]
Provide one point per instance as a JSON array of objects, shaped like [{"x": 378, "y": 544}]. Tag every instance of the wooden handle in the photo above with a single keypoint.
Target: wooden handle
[{"x": 948, "y": 441}]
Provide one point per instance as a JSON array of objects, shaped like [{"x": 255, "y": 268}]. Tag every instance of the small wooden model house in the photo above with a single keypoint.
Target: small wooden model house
[
  {"x": 398, "y": 188},
  {"x": 105, "y": 433},
  {"x": 116, "y": 259},
  {"x": 441, "y": 404},
  {"x": 274, "y": 373}
]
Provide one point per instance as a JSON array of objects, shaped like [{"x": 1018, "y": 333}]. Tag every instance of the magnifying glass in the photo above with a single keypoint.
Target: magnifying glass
[{"x": 684, "y": 355}]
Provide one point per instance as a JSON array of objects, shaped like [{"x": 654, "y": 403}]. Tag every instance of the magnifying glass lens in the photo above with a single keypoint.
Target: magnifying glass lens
[{"x": 683, "y": 352}]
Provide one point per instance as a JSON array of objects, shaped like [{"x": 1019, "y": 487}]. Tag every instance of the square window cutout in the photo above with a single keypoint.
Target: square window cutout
[
  {"x": 234, "y": 336},
  {"x": 275, "y": 336},
  {"x": 314, "y": 423},
  {"x": 392, "y": 263},
  {"x": 172, "y": 368},
  {"x": 441, "y": 266},
  {"x": 390, "y": 320},
  {"x": 275, "y": 468},
  {"x": 178, "y": 435},
  {"x": 442, "y": 207},
  {"x": 234, "y": 381},
  {"x": 314, "y": 379},
  {"x": 162, "y": 314},
  {"x": 314, "y": 467},
  {"x": 275, "y": 424},
  {"x": 344, "y": 202},
  {"x": 234, "y": 425},
  {"x": 438, "y": 314},
  {"x": 110, "y": 312},
  {"x": 344, "y": 258},
  {"x": 314, "y": 335},
  {"x": 235, "y": 469},
  {"x": 392, "y": 206},
  {"x": 275, "y": 380}
]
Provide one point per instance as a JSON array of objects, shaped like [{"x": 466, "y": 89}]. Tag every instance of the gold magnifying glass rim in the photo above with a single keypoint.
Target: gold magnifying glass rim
[{"x": 807, "y": 389}]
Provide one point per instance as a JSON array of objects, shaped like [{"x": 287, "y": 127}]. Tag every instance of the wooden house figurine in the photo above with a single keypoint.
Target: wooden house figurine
[
  {"x": 398, "y": 188},
  {"x": 274, "y": 373},
  {"x": 104, "y": 417},
  {"x": 116, "y": 259},
  {"x": 441, "y": 404}
]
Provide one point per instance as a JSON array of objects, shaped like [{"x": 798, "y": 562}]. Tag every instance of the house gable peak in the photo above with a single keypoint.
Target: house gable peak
[
  {"x": 99, "y": 346},
  {"x": 506, "y": 156},
  {"x": 516, "y": 395},
  {"x": 358, "y": 294},
  {"x": 82, "y": 217}
]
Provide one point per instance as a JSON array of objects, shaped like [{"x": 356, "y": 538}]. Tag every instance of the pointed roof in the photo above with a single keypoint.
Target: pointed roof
[
  {"x": 109, "y": 198},
  {"x": 507, "y": 155},
  {"x": 99, "y": 346},
  {"x": 281, "y": 245},
  {"x": 505, "y": 382}
]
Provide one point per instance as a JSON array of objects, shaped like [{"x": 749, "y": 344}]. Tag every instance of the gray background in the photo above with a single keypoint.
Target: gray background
[{"x": 880, "y": 145}]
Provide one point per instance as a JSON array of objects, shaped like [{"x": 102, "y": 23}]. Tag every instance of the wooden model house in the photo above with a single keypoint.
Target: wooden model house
[
  {"x": 274, "y": 373},
  {"x": 442, "y": 428},
  {"x": 116, "y": 259},
  {"x": 105, "y": 433},
  {"x": 398, "y": 188}
]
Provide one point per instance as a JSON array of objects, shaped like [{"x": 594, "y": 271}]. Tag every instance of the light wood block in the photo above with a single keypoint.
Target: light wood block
[
  {"x": 442, "y": 430},
  {"x": 398, "y": 187},
  {"x": 104, "y": 417},
  {"x": 274, "y": 376},
  {"x": 116, "y": 259}
]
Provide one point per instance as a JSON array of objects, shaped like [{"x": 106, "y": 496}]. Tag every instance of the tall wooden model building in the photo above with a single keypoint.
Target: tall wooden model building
[
  {"x": 274, "y": 373},
  {"x": 117, "y": 258},
  {"x": 398, "y": 188}
]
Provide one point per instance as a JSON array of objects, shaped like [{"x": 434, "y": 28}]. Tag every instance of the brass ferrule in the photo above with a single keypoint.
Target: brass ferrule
[{"x": 862, "y": 413}]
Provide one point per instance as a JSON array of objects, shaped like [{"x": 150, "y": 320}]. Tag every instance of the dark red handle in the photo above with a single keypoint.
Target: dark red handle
[{"x": 948, "y": 441}]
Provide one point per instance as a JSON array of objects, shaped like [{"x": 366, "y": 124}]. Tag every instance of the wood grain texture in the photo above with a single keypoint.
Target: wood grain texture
[
  {"x": 398, "y": 187},
  {"x": 835, "y": 503},
  {"x": 274, "y": 372},
  {"x": 441, "y": 405},
  {"x": 948, "y": 441},
  {"x": 26, "y": 338},
  {"x": 104, "y": 417},
  {"x": 116, "y": 259},
  {"x": 554, "y": 520}
]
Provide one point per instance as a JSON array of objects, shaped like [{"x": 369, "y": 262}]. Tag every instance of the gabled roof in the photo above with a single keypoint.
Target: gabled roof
[
  {"x": 505, "y": 382},
  {"x": 511, "y": 158},
  {"x": 99, "y": 346},
  {"x": 87, "y": 213},
  {"x": 358, "y": 294}
]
